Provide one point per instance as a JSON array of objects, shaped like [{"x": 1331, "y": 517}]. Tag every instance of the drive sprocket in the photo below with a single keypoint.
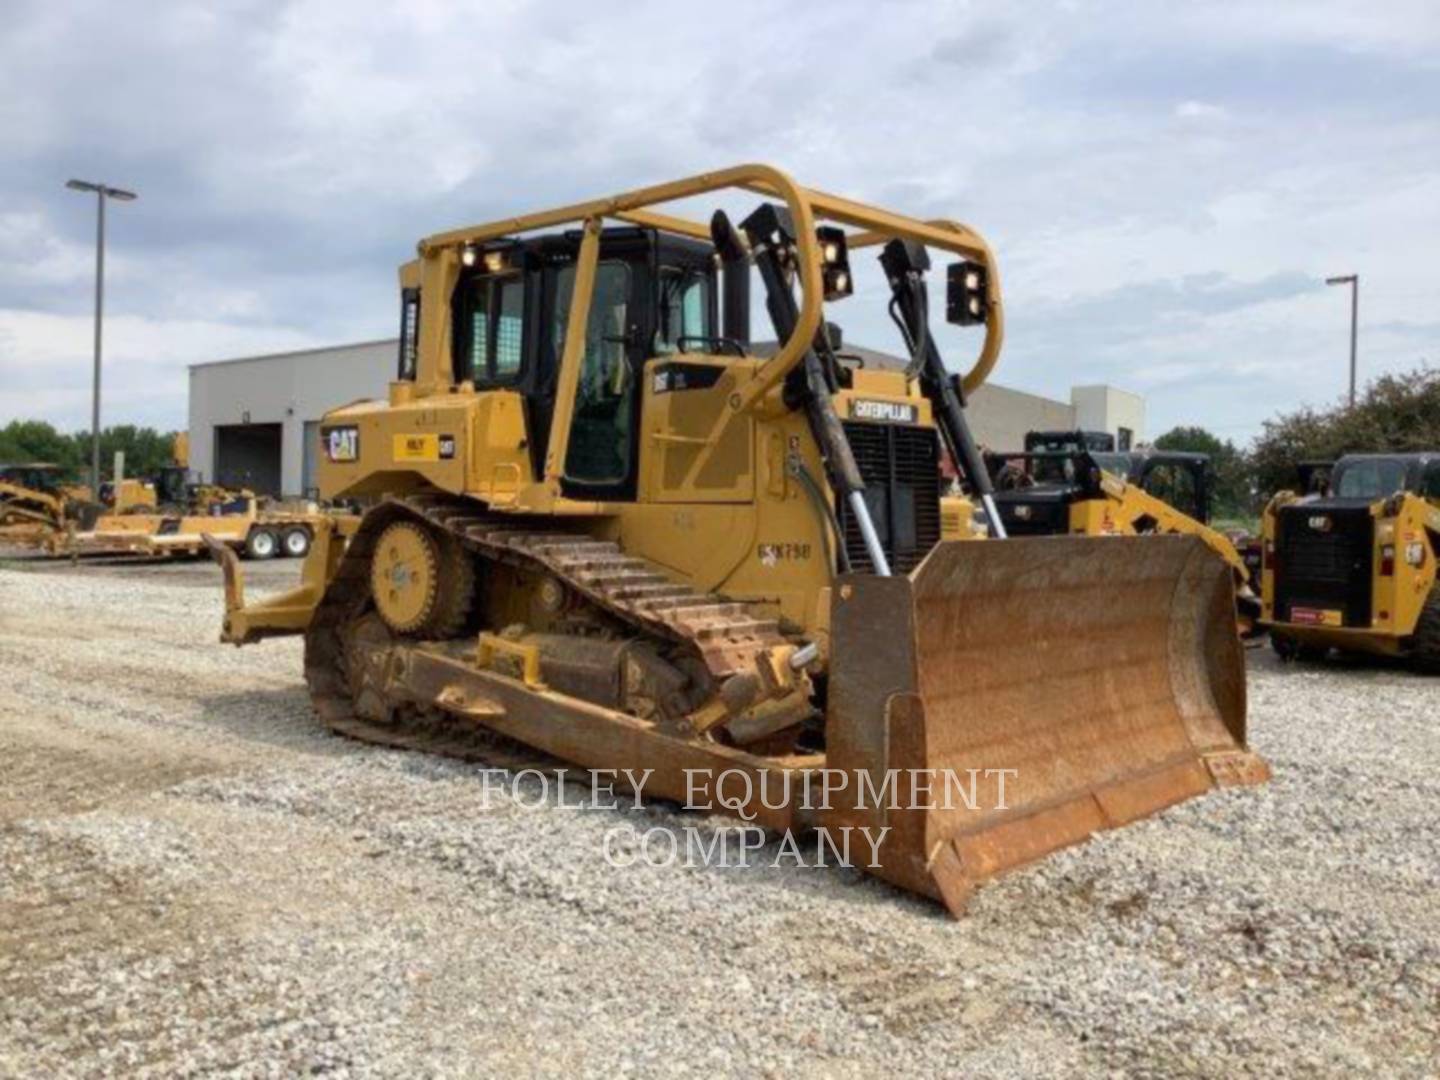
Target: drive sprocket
[{"x": 421, "y": 581}]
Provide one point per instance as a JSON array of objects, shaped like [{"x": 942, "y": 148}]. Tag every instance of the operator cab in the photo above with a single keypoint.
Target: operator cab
[
  {"x": 656, "y": 294},
  {"x": 1036, "y": 488},
  {"x": 174, "y": 485},
  {"x": 1177, "y": 478}
]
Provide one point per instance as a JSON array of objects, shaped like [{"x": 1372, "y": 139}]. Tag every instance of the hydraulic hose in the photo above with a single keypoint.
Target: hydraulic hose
[
  {"x": 813, "y": 394},
  {"x": 837, "y": 557}
]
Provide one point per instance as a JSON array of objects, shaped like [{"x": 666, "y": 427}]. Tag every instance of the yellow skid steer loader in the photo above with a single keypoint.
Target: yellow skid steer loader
[
  {"x": 602, "y": 522},
  {"x": 1088, "y": 492},
  {"x": 1355, "y": 568}
]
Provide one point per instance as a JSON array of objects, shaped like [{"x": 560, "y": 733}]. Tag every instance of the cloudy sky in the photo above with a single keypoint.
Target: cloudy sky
[{"x": 1166, "y": 185}]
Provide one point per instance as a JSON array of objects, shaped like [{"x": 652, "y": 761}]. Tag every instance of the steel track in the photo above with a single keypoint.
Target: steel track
[{"x": 724, "y": 634}]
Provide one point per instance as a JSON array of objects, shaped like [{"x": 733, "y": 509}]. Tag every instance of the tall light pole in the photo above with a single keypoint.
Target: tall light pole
[
  {"x": 1353, "y": 280},
  {"x": 102, "y": 192}
]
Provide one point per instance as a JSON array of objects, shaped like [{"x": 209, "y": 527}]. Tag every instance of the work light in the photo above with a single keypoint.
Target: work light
[
  {"x": 965, "y": 300},
  {"x": 493, "y": 258},
  {"x": 835, "y": 262}
]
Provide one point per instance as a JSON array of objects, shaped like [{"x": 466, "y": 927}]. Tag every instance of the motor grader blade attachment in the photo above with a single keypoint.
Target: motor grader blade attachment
[{"x": 1041, "y": 689}]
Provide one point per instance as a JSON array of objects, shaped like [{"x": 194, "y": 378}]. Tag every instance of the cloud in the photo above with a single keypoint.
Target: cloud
[
  {"x": 1199, "y": 110},
  {"x": 1162, "y": 191},
  {"x": 48, "y": 363}
]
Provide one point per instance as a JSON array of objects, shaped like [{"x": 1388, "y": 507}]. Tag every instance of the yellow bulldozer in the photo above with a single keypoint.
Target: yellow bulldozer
[
  {"x": 1073, "y": 488},
  {"x": 606, "y": 523},
  {"x": 1353, "y": 567}
]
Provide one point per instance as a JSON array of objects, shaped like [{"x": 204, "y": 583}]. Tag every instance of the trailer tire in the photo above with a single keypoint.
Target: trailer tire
[
  {"x": 295, "y": 542},
  {"x": 262, "y": 544},
  {"x": 1427, "y": 634}
]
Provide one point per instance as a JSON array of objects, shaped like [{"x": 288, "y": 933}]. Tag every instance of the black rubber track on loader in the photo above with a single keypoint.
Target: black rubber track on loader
[{"x": 1427, "y": 634}]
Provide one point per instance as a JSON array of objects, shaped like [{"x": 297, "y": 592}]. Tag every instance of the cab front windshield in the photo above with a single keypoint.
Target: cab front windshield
[
  {"x": 684, "y": 322},
  {"x": 1370, "y": 479},
  {"x": 1115, "y": 464}
]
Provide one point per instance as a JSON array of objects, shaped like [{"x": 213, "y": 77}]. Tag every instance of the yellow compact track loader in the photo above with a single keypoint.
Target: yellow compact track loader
[
  {"x": 607, "y": 524},
  {"x": 1088, "y": 492},
  {"x": 1355, "y": 569}
]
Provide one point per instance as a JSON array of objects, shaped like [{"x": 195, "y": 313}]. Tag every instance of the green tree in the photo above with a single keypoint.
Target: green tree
[
  {"x": 1232, "y": 495},
  {"x": 146, "y": 450},
  {"x": 25, "y": 441},
  {"x": 1396, "y": 413}
]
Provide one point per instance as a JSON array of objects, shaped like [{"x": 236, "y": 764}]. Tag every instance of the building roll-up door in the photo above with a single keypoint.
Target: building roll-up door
[{"x": 248, "y": 456}]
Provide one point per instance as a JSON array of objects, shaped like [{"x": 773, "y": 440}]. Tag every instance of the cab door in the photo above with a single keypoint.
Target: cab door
[{"x": 600, "y": 461}]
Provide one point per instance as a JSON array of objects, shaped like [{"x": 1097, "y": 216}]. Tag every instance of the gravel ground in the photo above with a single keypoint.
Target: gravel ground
[{"x": 196, "y": 877}]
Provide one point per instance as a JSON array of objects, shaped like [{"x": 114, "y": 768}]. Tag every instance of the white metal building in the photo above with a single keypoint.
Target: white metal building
[
  {"x": 254, "y": 420},
  {"x": 1103, "y": 408}
]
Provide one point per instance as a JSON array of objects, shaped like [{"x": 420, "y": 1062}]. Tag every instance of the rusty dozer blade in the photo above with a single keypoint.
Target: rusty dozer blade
[{"x": 1041, "y": 689}]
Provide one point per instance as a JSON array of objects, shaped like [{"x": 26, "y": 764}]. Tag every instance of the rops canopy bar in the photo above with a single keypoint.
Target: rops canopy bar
[{"x": 806, "y": 206}]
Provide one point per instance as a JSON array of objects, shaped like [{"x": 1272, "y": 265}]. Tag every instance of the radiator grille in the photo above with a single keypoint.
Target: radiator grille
[
  {"x": 901, "y": 469},
  {"x": 1324, "y": 569}
]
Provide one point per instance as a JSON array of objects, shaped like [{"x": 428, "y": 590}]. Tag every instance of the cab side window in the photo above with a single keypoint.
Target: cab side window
[
  {"x": 1430, "y": 486},
  {"x": 685, "y": 307},
  {"x": 409, "y": 334},
  {"x": 490, "y": 330},
  {"x": 509, "y": 326}
]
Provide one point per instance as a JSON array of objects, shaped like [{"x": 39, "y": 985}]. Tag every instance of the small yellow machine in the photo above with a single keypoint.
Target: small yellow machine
[
  {"x": 1087, "y": 492},
  {"x": 1355, "y": 569},
  {"x": 131, "y": 496},
  {"x": 37, "y": 506},
  {"x": 167, "y": 488},
  {"x": 606, "y": 523}
]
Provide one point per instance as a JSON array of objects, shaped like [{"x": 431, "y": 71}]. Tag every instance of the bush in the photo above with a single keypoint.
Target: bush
[
  {"x": 1396, "y": 414},
  {"x": 27, "y": 441}
]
